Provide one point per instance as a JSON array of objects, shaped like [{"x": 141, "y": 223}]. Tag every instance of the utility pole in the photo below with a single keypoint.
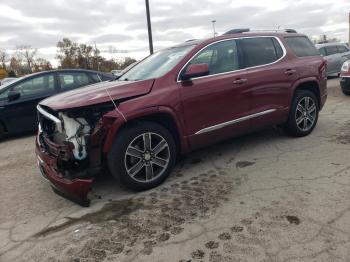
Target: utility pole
[
  {"x": 149, "y": 28},
  {"x": 214, "y": 21},
  {"x": 349, "y": 28}
]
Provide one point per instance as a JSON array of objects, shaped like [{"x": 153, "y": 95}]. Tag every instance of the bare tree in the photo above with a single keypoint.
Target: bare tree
[
  {"x": 28, "y": 54},
  {"x": 3, "y": 58}
]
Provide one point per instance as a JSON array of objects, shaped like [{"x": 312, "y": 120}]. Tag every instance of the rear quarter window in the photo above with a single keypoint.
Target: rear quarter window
[{"x": 301, "y": 46}]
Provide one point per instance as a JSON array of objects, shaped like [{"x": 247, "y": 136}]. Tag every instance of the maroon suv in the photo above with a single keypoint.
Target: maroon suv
[{"x": 175, "y": 101}]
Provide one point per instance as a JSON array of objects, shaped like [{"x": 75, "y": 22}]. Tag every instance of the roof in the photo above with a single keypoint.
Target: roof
[
  {"x": 66, "y": 70},
  {"x": 238, "y": 35},
  {"x": 329, "y": 44}
]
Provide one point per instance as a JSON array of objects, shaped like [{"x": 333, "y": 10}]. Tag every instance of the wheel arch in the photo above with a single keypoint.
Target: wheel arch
[
  {"x": 311, "y": 85},
  {"x": 160, "y": 115}
]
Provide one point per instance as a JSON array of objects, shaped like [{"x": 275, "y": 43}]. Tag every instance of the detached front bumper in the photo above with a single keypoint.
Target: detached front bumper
[{"x": 75, "y": 189}]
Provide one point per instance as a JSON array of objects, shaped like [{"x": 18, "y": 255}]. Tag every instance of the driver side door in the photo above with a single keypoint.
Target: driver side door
[
  {"x": 216, "y": 106},
  {"x": 20, "y": 114}
]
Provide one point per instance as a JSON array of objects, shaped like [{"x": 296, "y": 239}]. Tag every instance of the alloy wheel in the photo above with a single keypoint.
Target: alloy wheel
[
  {"x": 147, "y": 157},
  {"x": 306, "y": 113}
]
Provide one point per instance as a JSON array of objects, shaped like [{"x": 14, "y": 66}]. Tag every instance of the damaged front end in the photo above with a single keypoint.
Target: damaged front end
[{"x": 69, "y": 149}]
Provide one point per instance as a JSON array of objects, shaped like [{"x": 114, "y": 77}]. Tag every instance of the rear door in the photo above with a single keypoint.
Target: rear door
[
  {"x": 20, "y": 115},
  {"x": 215, "y": 106},
  {"x": 69, "y": 80},
  {"x": 271, "y": 75},
  {"x": 333, "y": 59}
]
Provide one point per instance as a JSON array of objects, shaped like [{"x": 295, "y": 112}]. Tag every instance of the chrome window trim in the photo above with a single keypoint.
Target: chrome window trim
[
  {"x": 51, "y": 117},
  {"x": 238, "y": 70},
  {"x": 235, "y": 121}
]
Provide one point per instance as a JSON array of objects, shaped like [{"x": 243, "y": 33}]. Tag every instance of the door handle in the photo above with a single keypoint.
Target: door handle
[
  {"x": 240, "y": 81},
  {"x": 290, "y": 72}
]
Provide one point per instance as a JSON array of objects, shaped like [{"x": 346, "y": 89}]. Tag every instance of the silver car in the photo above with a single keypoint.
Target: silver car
[{"x": 335, "y": 54}]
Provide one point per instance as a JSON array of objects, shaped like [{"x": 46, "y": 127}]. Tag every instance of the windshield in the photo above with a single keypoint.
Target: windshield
[{"x": 157, "y": 64}]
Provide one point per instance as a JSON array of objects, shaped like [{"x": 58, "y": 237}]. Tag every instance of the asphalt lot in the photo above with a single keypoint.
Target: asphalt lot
[{"x": 261, "y": 197}]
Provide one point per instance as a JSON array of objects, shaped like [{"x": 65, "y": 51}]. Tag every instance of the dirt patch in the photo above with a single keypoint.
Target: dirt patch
[
  {"x": 212, "y": 245},
  {"x": 198, "y": 254},
  {"x": 237, "y": 229},
  {"x": 343, "y": 136},
  {"x": 243, "y": 164},
  {"x": 224, "y": 236},
  {"x": 293, "y": 220},
  {"x": 342, "y": 139},
  {"x": 147, "y": 220}
]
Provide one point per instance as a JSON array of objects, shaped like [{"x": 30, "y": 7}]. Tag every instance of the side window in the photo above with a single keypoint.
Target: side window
[
  {"x": 342, "y": 49},
  {"x": 221, "y": 57},
  {"x": 323, "y": 51},
  {"x": 73, "y": 80},
  {"x": 331, "y": 50},
  {"x": 259, "y": 51},
  {"x": 95, "y": 77},
  {"x": 35, "y": 86},
  {"x": 302, "y": 46}
]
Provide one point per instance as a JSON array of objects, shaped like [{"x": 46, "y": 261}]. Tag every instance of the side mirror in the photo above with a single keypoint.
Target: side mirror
[
  {"x": 13, "y": 95},
  {"x": 196, "y": 70}
]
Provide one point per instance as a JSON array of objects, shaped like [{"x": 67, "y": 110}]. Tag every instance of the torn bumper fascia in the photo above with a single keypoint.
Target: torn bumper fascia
[{"x": 75, "y": 190}]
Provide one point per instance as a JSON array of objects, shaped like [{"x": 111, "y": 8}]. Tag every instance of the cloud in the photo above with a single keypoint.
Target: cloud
[{"x": 122, "y": 24}]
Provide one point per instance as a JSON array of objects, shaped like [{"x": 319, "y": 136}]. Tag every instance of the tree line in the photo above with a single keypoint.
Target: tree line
[{"x": 26, "y": 60}]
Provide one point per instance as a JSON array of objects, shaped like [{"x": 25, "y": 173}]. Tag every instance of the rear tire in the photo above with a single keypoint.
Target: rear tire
[
  {"x": 142, "y": 155},
  {"x": 303, "y": 115}
]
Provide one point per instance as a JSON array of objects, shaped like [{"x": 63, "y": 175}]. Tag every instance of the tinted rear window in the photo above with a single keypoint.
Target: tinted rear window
[
  {"x": 260, "y": 51},
  {"x": 301, "y": 46}
]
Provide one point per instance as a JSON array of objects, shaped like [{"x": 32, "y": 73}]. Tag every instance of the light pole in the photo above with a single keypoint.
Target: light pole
[
  {"x": 149, "y": 28},
  {"x": 213, "y": 22}
]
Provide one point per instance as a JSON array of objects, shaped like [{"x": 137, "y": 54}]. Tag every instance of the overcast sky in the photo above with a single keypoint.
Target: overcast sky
[{"x": 120, "y": 26}]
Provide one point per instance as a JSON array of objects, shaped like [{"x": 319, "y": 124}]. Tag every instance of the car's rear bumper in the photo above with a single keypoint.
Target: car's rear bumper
[
  {"x": 75, "y": 189},
  {"x": 345, "y": 83}
]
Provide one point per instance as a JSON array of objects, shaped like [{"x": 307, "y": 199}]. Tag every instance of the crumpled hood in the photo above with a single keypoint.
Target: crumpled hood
[{"x": 96, "y": 94}]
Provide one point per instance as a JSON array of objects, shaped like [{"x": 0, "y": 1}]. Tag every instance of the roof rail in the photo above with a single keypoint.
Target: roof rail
[
  {"x": 290, "y": 31},
  {"x": 237, "y": 31},
  {"x": 245, "y": 30}
]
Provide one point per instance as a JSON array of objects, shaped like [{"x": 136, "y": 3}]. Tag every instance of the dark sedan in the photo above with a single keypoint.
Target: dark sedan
[{"x": 18, "y": 99}]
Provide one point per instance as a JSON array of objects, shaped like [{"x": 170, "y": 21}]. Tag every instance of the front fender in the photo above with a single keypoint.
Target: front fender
[{"x": 115, "y": 121}]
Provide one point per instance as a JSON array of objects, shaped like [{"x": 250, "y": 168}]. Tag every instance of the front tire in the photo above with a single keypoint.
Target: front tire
[
  {"x": 142, "y": 155},
  {"x": 303, "y": 115}
]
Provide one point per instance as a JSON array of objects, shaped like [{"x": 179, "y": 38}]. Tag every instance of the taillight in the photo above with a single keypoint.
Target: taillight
[{"x": 345, "y": 69}]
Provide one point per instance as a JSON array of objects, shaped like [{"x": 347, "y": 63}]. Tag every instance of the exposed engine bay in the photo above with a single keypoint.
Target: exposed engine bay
[
  {"x": 72, "y": 136},
  {"x": 77, "y": 131}
]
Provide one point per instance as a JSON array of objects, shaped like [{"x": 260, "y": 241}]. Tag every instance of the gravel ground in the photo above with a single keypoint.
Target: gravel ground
[{"x": 262, "y": 197}]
